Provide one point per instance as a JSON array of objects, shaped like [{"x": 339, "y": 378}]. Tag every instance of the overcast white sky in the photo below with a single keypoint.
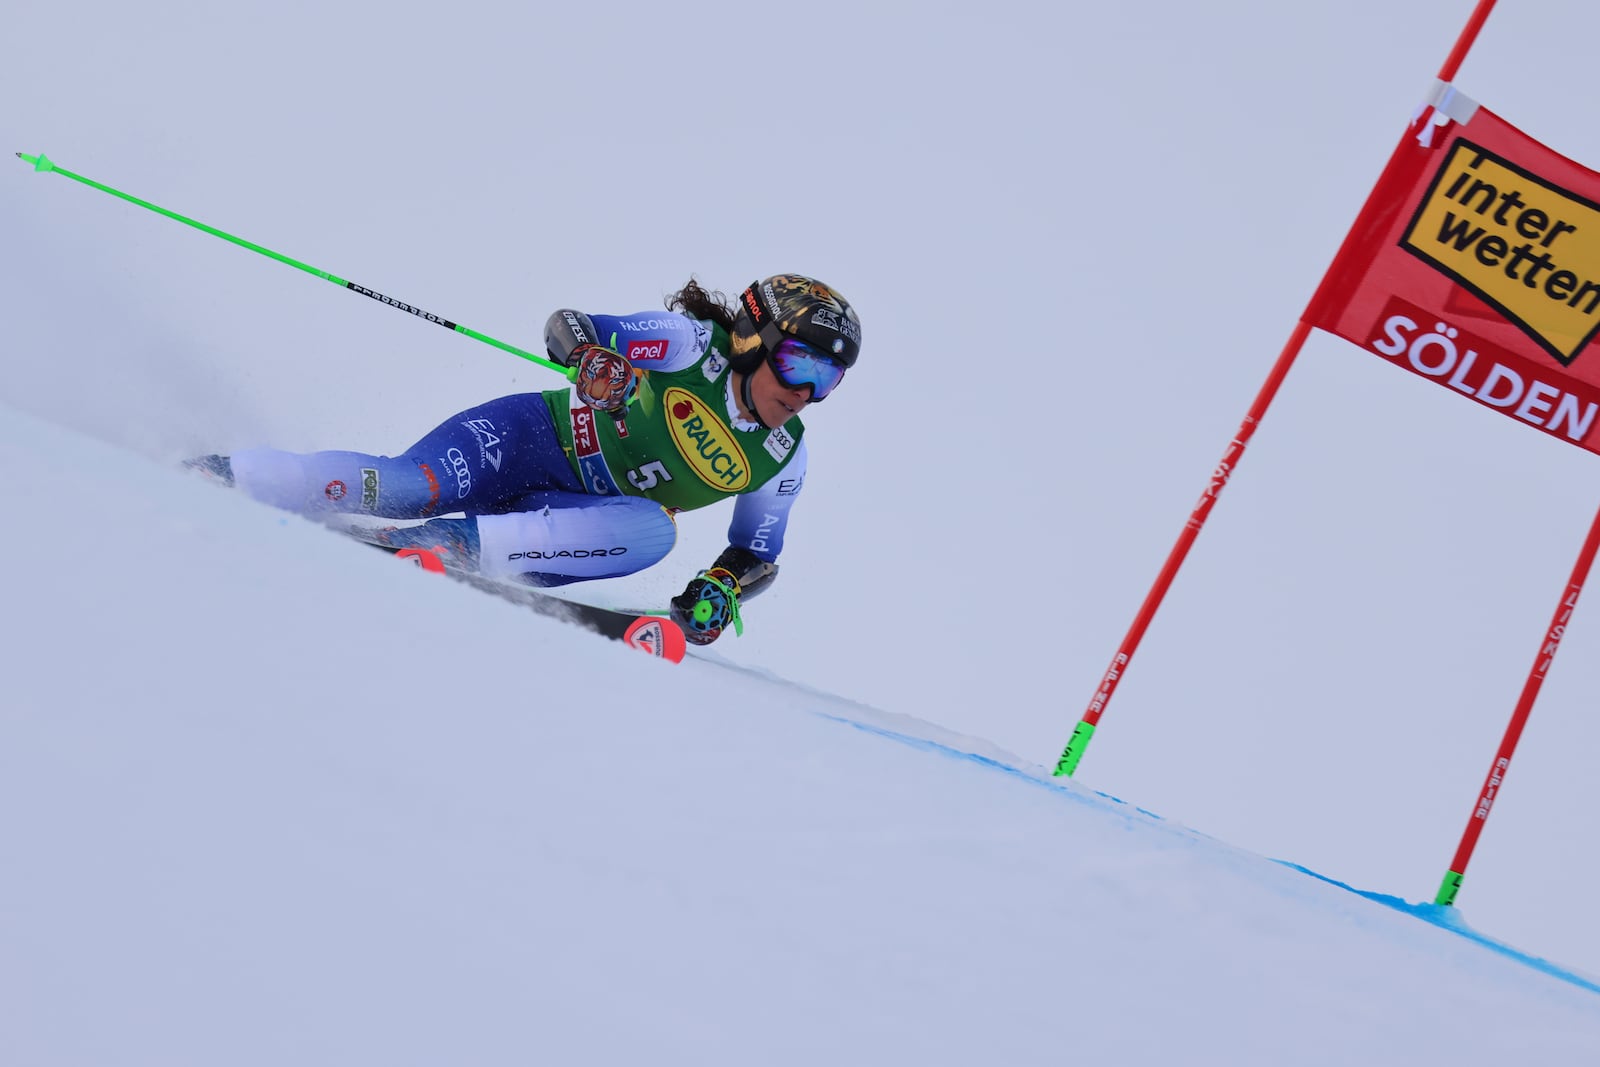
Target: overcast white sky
[{"x": 1077, "y": 235}]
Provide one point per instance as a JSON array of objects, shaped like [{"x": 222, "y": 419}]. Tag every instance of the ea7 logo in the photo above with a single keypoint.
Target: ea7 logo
[{"x": 484, "y": 431}]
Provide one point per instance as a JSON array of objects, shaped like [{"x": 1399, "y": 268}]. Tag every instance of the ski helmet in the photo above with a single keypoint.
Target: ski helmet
[{"x": 792, "y": 305}]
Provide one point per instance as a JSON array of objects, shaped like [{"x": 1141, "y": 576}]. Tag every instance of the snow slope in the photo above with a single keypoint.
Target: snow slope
[
  {"x": 1078, "y": 236},
  {"x": 269, "y": 797}
]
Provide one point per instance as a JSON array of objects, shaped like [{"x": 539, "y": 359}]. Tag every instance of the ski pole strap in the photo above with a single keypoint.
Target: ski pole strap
[
  {"x": 733, "y": 604},
  {"x": 43, "y": 164}
]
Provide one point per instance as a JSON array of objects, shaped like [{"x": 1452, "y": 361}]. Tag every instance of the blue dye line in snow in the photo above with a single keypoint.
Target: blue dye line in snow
[
  {"x": 984, "y": 761},
  {"x": 1446, "y": 918},
  {"x": 1449, "y": 918}
]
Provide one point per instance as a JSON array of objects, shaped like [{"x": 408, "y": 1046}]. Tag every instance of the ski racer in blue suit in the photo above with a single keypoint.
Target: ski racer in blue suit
[{"x": 668, "y": 412}]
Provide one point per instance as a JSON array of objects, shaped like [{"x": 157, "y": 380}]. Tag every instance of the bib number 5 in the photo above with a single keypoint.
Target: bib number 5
[{"x": 649, "y": 475}]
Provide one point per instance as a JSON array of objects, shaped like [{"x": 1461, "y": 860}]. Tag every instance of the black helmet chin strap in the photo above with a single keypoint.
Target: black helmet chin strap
[{"x": 748, "y": 400}]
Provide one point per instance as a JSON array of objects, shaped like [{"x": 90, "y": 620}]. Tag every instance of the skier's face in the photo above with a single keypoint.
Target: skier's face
[{"x": 775, "y": 402}]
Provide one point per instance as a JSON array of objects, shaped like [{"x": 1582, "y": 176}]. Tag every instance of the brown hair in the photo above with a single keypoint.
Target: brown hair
[{"x": 697, "y": 302}]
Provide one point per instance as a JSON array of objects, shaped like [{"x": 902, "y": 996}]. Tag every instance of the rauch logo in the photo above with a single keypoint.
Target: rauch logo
[{"x": 705, "y": 443}]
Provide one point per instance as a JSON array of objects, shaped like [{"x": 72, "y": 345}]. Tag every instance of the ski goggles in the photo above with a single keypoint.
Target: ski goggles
[{"x": 798, "y": 364}]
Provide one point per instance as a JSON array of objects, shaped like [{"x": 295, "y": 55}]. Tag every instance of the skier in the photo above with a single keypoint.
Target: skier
[{"x": 668, "y": 412}]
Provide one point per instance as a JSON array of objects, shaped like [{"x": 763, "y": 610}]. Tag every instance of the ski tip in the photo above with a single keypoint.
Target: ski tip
[
  {"x": 38, "y": 162},
  {"x": 659, "y": 637}
]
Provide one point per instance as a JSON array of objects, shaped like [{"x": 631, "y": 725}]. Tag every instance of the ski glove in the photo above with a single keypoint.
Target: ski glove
[
  {"x": 704, "y": 609},
  {"x": 605, "y": 379}
]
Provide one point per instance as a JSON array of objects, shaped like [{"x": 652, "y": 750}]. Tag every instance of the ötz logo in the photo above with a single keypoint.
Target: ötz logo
[{"x": 583, "y": 437}]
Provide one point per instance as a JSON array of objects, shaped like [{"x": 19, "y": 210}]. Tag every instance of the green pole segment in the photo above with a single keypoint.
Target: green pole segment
[
  {"x": 1448, "y": 889},
  {"x": 1082, "y": 734},
  {"x": 42, "y": 164}
]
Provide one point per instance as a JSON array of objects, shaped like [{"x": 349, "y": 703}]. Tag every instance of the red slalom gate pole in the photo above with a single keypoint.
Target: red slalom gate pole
[
  {"x": 1083, "y": 733},
  {"x": 1469, "y": 35},
  {"x": 1451, "y": 885}
]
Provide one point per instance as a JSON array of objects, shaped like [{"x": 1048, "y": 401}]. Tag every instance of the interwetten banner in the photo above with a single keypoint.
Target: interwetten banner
[{"x": 1475, "y": 263}]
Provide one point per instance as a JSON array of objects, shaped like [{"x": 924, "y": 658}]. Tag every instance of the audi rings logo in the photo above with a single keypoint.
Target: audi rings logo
[{"x": 457, "y": 462}]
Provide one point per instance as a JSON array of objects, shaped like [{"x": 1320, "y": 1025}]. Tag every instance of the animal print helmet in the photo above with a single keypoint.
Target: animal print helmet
[{"x": 792, "y": 305}]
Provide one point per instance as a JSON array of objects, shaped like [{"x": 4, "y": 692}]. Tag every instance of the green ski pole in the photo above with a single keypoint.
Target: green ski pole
[{"x": 43, "y": 164}]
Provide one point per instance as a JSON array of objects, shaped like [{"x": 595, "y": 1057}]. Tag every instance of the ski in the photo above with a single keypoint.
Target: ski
[{"x": 657, "y": 636}]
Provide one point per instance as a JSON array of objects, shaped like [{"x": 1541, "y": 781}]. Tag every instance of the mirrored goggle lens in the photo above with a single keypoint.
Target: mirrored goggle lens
[{"x": 798, "y": 364}]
